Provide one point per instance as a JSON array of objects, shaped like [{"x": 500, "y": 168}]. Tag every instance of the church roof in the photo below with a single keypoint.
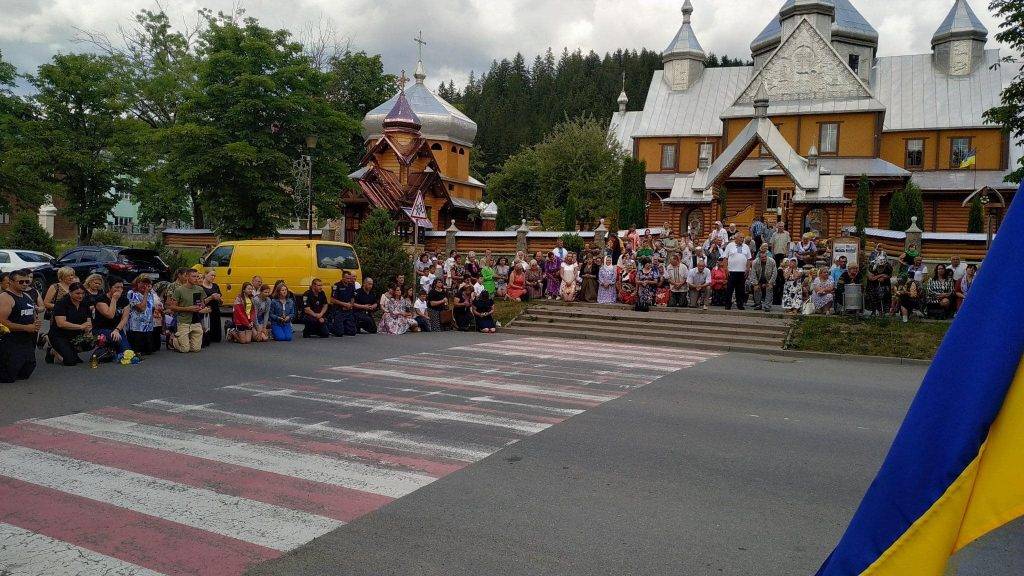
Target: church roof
[
  {"x": 961, "y": 22},
  {"x": 621, "y": 128},
  {"x": 685, "y": 42},
  {"x": 849, "y": 23},
  {"x": 440, "y": 120},
  {"x": 402, "y": 115},
  {"x": 692, "y": 112}
]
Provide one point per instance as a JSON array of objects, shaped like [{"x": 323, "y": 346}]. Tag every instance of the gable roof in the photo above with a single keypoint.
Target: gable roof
[
  {"x": 849, "y": 23},
  {"x": 691, "y": 112},
  {"x": 758, "y": 131}
]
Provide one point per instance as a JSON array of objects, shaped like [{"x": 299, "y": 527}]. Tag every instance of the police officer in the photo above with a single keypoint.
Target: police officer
[
  {"x": 18, "y": 314},
  {"x": 364, "y": 307},
  {"x": 343, "y": 294}
]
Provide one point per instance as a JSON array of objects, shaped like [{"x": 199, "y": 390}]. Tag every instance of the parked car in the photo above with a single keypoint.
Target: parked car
[
  {"x": 11, "y": 260},
  {"x": 297, "y": 262},
  {"x": 114, "y": 262}
]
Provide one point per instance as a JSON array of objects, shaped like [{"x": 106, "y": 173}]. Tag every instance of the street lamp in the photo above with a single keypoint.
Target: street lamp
[{"x": 303, "y": 169}]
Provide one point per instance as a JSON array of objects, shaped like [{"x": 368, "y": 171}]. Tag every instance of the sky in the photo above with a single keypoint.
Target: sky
[{"x": 465, "y": 35}]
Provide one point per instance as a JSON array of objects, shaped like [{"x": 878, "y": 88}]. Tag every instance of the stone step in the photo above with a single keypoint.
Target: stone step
[
  {"x": 714, "y": 311},
  {"x": 625, "y": 330},
  {"x": 658, "y": 315},
  {"x": 689, "y": 343},
  {"x": 644, "y": 325}
]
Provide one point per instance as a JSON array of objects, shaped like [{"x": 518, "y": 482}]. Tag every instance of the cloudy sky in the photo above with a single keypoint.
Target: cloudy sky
[{"x": 466, "y": 35}]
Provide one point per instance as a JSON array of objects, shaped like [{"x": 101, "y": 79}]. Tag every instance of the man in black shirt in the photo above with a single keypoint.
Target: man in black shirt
[
  {"x": 18, "y": 314},
  {"x": 364, "y": 307},
  {"x": 342, "y": 320},
  {"x": 315, "y": 311}
]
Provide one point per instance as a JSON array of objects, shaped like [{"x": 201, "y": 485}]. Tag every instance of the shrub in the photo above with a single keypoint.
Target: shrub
[
  {"x": 899, "y": 212},
  {"x": 573, "y": 242},
  {"x": 105, "y": 237},
  {"x": 27, "y": 234},
  {"x": 552, "y": 219},
  {"x": 381, "y": 254},
  {"x": 976, "y": 218}
]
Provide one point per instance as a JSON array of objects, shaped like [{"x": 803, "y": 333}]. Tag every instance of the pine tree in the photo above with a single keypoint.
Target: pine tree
[
  {"x": 915, "y": 204},
  {"x": 25, "y": 233},
  {"x": 976, "y": 218},
  {"x": 569, "y": 212},
  {"x": 899, "y": 214},
  {"x": 860, "y": 220},
  {"x": 631, "y": 199},
  {"x": 723, "y": 207},
  {"x": 381, "y": 254}
]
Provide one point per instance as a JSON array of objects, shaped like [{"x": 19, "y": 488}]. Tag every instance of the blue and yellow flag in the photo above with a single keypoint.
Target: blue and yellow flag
[
  {"x": 955, "y": 471},
  {"x": 970, "y": 160}
]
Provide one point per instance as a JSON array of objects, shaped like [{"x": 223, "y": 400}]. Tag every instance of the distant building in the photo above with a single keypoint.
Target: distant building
[
  {"x": 417, "y": 142},
  {"x": 790, "y": 136}
]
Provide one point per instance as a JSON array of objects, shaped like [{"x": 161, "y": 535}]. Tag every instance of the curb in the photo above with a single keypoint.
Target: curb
[{"x": 855, "y": 358}]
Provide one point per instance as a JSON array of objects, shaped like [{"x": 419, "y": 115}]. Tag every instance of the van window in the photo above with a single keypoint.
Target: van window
[
  {"x": 332, "y": 257},
  {"x": 220, "y": 257}
]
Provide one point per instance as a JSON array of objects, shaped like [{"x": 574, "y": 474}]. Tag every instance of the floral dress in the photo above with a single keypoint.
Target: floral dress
[
  {"x": 552, "y": 270},
  {"x": 627, "y": 286},
  {"x": 822, "y": 302},
  {"x": 534, "y": 283},
  {"x": 606, "y": 285},
  {"x": 645, "y": 294},
  {"x": 793, "y": 291},
  {"x": 394, "y": 320}
]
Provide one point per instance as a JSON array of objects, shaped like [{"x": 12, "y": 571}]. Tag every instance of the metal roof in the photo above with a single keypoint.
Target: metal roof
[
  {"x": 463, "y": 203},
  {"x": 961, "y": 22},
  {"x": 402, "y": 115},
  {"x": 918, "y": 96},
  {"x": 764, "y": 131},
  {"x": 692, "y": 112},
  {"x": 621, "y": 129},
  {"x": 658, "y": 181},
  {"x": 872, "y": 167},
  {"x": 685, "y": 42},
  {"x": 962, "y": 180},
  {"x": 781, "y": 108},
  {"x": 440, "y": 120},
  {"x": 849, "y": 23}
]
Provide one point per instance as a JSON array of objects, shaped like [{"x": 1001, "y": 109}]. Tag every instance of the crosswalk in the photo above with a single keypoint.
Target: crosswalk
[{"x": 254, "y": 469}]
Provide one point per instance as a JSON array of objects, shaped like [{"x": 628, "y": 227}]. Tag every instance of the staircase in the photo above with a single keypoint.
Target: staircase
[{"x": 715, "y": 329}]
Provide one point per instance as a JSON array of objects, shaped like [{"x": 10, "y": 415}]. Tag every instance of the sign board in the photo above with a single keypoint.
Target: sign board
[
  {"x": 846, "y": 246},
  {"x": 419, "y": 210}
]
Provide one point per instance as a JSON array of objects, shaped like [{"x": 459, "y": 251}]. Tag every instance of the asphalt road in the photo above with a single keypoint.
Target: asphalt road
[{"x": 733, "y": 465}]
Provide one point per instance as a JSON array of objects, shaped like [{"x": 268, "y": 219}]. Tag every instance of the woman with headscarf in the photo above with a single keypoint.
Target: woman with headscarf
[
  {"x": 647, "y": 279},
  {"x": 552, "y": 273},
  {"x": 823, "y": 292},
  {"x": 535, "y": 281},
  {"x": 606, "y": 277},
  {"x": 626, "y": 283},
  {"x": 589, "y": 272}
]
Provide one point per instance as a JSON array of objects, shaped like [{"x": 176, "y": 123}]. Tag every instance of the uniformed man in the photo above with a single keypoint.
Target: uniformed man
[{"x": 342, "y": 320}]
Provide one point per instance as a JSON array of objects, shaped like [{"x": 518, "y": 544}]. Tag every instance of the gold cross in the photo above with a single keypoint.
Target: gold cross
[
  {"x": 419, "y": 40},
  {"x": 402, "y": 81}
]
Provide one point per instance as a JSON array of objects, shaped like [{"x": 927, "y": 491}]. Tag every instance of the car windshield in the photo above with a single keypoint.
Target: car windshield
[
  {"x": 329, "y": 256},
  {"x": 34, "y": 257}
]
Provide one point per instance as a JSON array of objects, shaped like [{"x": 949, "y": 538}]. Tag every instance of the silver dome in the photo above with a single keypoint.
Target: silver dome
[
  {"x": 849, "y": 23},
  {"x": 441, "y": 120}
]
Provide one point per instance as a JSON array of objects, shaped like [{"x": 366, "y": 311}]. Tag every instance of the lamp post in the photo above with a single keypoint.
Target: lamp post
[{"x": 303, "y": 171}]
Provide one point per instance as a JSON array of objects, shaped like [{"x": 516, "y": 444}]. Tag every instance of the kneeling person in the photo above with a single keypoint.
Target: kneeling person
[
  {"x": 315, "y": 311},
  {"x": 364, "y": 307}
]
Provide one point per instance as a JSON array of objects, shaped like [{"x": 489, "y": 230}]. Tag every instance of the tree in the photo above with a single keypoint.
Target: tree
[
  {"x": 571, "y": 220},
  {"x": 633, "y": 189},
  {"x": 899, "y": 211},
  {"x": 81, "y": 140},
  {"x": 356, "y": 84},
  {"x": 257, "y": 97},
  {"x": 915, "y": 204},
  {"x": 20, "y": 181},
  {"x": 976, "y": 217},
  {"x": 381, "y": 254},
  {"x": 25, "y": 233},
  {"x": 860, "y": 219},
  {"x": 723, "y": 203},
  {"x": 1011, "y": 113}
]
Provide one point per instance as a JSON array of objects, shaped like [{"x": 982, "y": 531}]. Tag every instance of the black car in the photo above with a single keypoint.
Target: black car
[{"x": 113, "y": 262}]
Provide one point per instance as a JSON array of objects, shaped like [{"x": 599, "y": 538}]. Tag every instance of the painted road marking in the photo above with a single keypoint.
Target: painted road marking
[{"x": 24, "y": 553}]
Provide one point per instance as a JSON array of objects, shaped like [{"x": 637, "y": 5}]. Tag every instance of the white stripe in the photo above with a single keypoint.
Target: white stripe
[
  {"x": 661, "y": 356},
  {"x": 510, "y": 369},
  {"x": 633, "y": 358},
  {"x": 647, "y": 348},
  {"x": 548, "y": 354},
  {"x": 24, "y": 553},
  {"x": 487, "y": 400},
  {"x": 479, "y": 384},
  {"x": 387, "y": 439},
  {"x": 354, "y": 475},
  {"x": 423, "y": 412},
  {"x": 255, "y": 522}
]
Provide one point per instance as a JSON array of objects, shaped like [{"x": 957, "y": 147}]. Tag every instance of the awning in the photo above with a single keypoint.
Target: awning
[{"x": 421, "y": 222}]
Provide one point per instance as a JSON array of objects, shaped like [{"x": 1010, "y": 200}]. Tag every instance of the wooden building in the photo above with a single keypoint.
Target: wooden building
[{"x": 790, "y": 136}]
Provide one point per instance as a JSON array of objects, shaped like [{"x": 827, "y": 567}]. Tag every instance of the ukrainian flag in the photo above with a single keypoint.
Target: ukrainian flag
[
  {"x": 970, "y": 160},
  {"x": 955, "y": 471}
]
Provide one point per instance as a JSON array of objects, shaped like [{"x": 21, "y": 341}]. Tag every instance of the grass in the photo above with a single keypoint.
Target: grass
[
  {"x": 871, "y": 337},
  {"x": 506, "y": 311}
]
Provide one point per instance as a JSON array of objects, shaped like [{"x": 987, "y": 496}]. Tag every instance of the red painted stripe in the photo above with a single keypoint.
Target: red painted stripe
[
  {"x": 335, "y": 449},
  {"x": 418, "y": 401},
  {"x": 160, "y": 545},
  {"x": 335, "y": 502}
]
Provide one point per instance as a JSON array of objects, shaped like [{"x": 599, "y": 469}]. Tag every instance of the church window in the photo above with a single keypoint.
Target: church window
[
  {"x": 915, "y": 154},
  {"x": 771, "y": 199},
  {"x": 706, "y": 150},
  {"x": 816, "y": 220},
  {"x": 959, "y": 150},
  {"x": 462, "y": 151},
  {"x": 668, "y": 156},
  {"x": 5, "y": 218},
  {"x": 435, "y": 146},
  {"x": 451, "y": 187},
  {"x": 828, "y": 138},
  {"x": 855, "y": 62},
  {"x": 455, "y": 150}
]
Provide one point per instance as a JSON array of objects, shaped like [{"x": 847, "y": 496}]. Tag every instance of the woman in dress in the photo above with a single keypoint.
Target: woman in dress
[
  {"x": 626, "y": 287},
  {"x": 395, "y": 318},
  {"x": 483, "y": 312},
  {"x": 473, "y": 267},
  {"x": 569, "y": 275},
  {"x": 613, "y": 248},
  {"x": 793, "y": 289},
  {"x": 963, "y": 287},
  {"x": 516, "y": 288},
  {"x": 212, "y": 298},
  {"x": 823, "y": 292},
  {"x": 606, "y": 277},
  {"x": 940, "y": 291},
  {"x": 488, "y": 276},
  {"x": 501, "y": 274},
  {"x": 719, "y": 282},
  {"x": 437, "y": 302},
  {"x": 535, "y": 281},
  {"x": 590, "y": 271},
  {"x": 647, "y": 279},
  {"x": 805, "y": 250},
  {"x": 65, "y": 278},
  {"x": 282, "y": 312},
  {"x": 462, "y": 310},
  {"x": 552, "y": 273}
]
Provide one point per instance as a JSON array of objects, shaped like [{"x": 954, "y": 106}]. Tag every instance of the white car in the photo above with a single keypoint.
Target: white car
[{"x": 11, "y": 260}]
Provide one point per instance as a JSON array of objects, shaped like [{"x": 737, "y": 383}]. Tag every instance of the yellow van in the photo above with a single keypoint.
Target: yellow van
[{"x": 297, "y": 262}]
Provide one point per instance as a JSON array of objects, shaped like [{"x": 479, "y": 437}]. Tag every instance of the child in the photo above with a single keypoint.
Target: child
[{"x": 420, "y": 309}]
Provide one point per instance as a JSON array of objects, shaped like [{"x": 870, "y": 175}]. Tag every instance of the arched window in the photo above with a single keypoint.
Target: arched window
[
  {"x": 462, "y": 151},
  {"x": 694, "y": 223},
  {"x": 435, "y": 146},
  {"x": 454, "y": 149},
  {"x": 816, "y": 220}
]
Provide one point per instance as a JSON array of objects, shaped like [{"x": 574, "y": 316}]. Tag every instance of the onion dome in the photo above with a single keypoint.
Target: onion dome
[{"x": 402, "y": 116}]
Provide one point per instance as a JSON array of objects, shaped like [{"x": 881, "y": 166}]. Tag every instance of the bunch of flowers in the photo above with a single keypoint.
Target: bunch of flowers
[{"x": 85, "y": 342}]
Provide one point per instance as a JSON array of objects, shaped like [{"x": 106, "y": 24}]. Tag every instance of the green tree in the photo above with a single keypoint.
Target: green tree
[
  {"x": 26, "y": 233},
  {"x": 1010, "y": 115},
  {"x": 381, "y": 254},
  {"x": 356, "y": 84},
  {"x": 20, "y": 182},
  {"x": 81, "y": 139},
  {"x": 552, "y": 219},
  {"x": 976, "y": 217},
  {"x": 899, "y": 211},
  {"x": 860, "y": 219},
  {"x": 257, "y": 98},
  {"x": 915, "y": 204},
  {"x": 569, "y": 210},
  {"x": 723, "y": 203},
  {"x": 632, "y": 191}
]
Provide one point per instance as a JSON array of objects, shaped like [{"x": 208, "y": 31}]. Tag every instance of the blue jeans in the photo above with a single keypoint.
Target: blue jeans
[{"x": 281, "y": 332}]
